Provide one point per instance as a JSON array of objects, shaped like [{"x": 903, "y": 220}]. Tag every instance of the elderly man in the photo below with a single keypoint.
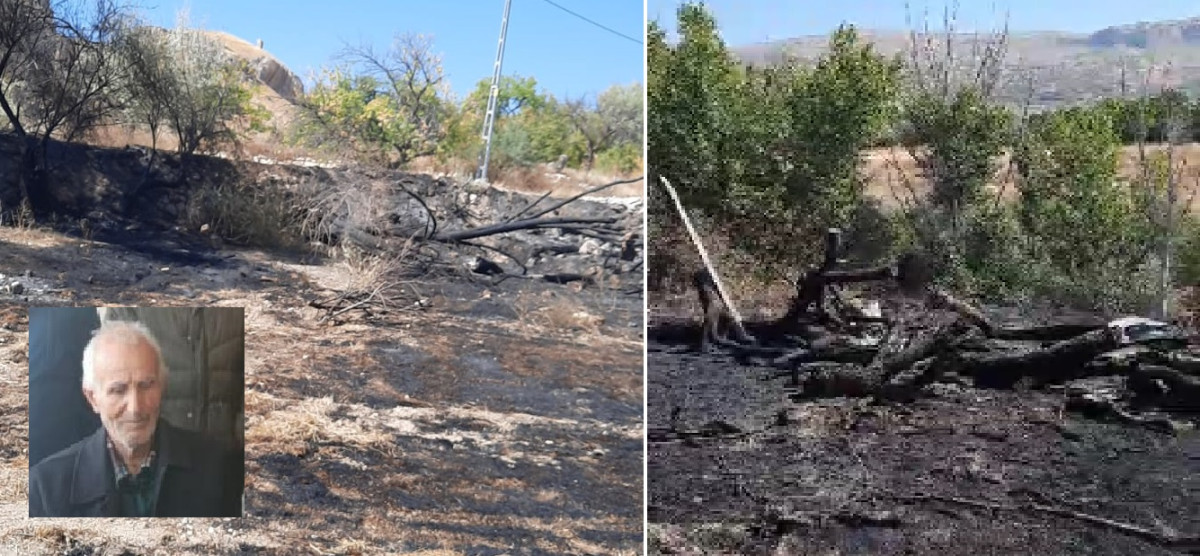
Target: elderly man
[{"x": 135, "y": 464}]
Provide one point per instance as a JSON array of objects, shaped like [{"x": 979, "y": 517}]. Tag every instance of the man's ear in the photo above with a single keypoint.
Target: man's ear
[{"x": 91, "y": 398}]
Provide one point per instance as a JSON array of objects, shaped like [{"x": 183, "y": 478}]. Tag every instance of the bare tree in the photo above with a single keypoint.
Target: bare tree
[{"x": 56, "y": 72}]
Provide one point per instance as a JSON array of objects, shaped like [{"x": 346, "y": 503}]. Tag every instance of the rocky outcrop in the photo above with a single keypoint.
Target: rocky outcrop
[
  {"x": 269, "y": 70},
  {"x": 280, "y": 79},
  {"x": 1159, "y": 34}
]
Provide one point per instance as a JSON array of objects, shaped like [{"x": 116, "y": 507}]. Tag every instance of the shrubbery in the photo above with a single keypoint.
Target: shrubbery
[{"x": 771, "y": 157}]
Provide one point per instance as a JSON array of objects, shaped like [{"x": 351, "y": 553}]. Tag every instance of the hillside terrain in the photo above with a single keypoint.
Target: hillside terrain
[
  {"x": 275, "y": 88},
  {"x": 387, "y": 410},
  {"x": 1065, "y": 68}
]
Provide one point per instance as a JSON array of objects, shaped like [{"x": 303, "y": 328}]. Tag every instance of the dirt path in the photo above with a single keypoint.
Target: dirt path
[
  {"x": 496, "y": 420},
  {"x": 837, "y": 476}
]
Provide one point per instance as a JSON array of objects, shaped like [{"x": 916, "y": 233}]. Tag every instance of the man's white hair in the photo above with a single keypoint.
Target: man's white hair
[{"x": 124, "y": 332}]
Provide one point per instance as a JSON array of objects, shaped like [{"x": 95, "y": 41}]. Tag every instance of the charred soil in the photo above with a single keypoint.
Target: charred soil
[
  {"x": 960, "y": 470},
  {"x": 460, "y": 414}
]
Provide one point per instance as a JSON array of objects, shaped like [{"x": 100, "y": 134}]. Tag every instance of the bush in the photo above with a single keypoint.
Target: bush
[
  {"x": 1187, "y": 253},
  {"x": 257, "y": 215},
  {"x": 963, "y": 134},
  {"x": 511, "y": 148},
  {"x": 771, "y": 156},
  {"x": 622, "y": 159}
]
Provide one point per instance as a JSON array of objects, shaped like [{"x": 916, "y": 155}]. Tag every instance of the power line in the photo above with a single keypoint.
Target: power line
[{"x": 609, "y": 29}]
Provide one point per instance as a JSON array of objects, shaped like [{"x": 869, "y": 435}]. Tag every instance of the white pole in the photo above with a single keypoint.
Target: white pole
[
  {"x": 687, "y": 222},
  {"x": 490, "y": 118}
]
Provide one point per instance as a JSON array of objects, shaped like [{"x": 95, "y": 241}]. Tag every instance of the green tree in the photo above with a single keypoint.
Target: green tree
[
  {"x": 615, "y": 120},
  {"x": 962, "y": 135},
  {"x": 206, "y": 91},
  {"x": 692, "y": 93},
  {"x": 1092, "y": 230},
  {"x": 540, "y": 116},
  {"x": 837, "y": 110},
  {"x": 770, "y": 154},
  {"x": 387, "y": 106}
]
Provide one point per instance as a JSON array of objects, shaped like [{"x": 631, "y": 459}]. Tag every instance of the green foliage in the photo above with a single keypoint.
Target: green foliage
[
  {"x": 349, "y": 111},
  {"x": 388, "y": 107},
  {"x": 184, "y": 80},
  {"x": 533, "y": 127},
  {"x": 771, "y": 154},
  {"x": 1070, "y": 201},
  {"x": 836, "y": 111},
  {"x": 616, "y": 119},
  {"x": 1152, "y": 118},
  {"x": 692, "y": 91},
  {"x": 962, "y": 136},
  {"x": 511, "y": 147},
  {"x": 1187, "y": 252},
  {"x": 1076, "y": 235},
  {"x": 514, "y": 94},
  {"x": 517, "y": 96},
  {"x": 621, "y": 159},
  {"x": 356, "y": 112}
]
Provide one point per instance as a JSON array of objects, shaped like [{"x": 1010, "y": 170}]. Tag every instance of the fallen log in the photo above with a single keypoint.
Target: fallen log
[
  {"x": 526, "y": 224},
  {"x": 1184, "y": 362},
  {"x": 1165, "y": 387},
  {"x": 925, "y": 346},
  {"x": 1045, "y": 333},
  {"x": 894, "y": 376},
  {"x": 832, "y": 349},
  {"x": 942, "y": 298},
  {"x": 1061, "y": 361}
]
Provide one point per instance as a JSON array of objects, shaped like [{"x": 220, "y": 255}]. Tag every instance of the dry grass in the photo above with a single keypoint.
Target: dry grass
[
  {"x": 20, "y": 219},
  {"x": 556, "y": 313},
  {"x": 299, "y": 427},
  {"x": 535, "y": 179},
  {"x": 261, "y": 215},
  {"x": 886, "y": 171},
  {"x": 366, "y": 271}
]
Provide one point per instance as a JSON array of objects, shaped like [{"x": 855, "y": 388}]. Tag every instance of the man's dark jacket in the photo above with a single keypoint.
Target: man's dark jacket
[{"x": 197, "y": 478}]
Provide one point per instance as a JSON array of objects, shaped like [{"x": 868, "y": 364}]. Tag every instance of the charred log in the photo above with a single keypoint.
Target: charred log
[{"x": 1061, "y": 361}]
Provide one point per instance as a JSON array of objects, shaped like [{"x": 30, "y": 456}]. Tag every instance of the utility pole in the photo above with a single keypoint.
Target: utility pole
[{"x": 490, "y": 117}]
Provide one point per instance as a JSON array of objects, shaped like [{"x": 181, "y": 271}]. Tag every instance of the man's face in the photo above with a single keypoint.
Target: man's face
[{"x": 126, "y": 390}]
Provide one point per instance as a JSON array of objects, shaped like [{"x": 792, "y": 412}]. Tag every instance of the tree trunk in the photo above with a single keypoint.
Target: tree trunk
[{"x": 1062, "y": 361}]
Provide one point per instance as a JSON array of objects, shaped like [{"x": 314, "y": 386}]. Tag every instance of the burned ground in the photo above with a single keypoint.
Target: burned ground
[
  {"x": 766, "y": 473},
  {"x": 466, "y": 415}
]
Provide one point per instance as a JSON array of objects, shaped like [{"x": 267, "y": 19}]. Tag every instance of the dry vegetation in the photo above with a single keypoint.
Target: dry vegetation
[
  {"x": 885, "y": 172},
  {"x": 422, "y": 432}
]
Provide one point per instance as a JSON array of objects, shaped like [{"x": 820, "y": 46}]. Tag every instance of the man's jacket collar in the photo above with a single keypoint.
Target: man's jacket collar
[{"x": 91, "y": 482}]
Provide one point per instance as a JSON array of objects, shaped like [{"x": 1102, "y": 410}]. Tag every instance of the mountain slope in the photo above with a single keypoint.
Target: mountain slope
[{"x": 1065, "y": 68}]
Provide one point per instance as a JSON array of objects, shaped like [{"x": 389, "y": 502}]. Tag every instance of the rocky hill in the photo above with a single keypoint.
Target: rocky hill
[
  {"x": 1065, "y": 68},
  {"x": 282, "y": 88},
  {"x": 267, "y": 68}
]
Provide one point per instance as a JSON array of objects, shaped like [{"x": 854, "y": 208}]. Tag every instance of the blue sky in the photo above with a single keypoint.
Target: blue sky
[
  {"x": 567, "y": 56},
  {"x": 750, "y": 21}
]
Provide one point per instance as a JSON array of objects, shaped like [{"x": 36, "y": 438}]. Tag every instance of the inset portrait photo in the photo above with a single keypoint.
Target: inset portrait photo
[{"x": 136, "y": 411}]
